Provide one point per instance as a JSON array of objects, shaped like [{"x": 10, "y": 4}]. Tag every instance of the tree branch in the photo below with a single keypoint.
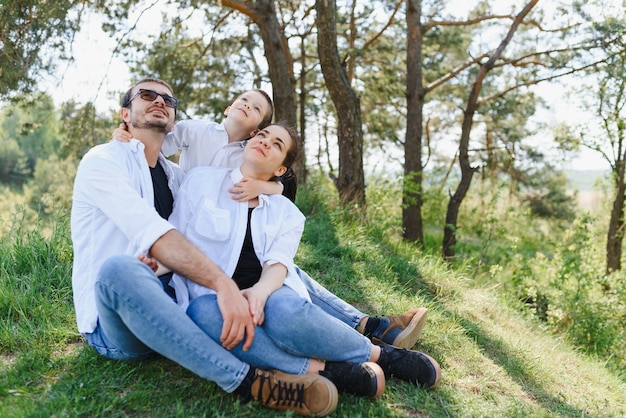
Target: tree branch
[{"x": 548, "y": 78}]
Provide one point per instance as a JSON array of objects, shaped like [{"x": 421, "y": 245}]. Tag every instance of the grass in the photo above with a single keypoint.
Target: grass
[{"x": 497, "y": 361}]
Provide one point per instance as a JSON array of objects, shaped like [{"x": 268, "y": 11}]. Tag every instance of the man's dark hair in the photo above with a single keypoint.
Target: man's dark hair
[{"x": 129, "y": 93}]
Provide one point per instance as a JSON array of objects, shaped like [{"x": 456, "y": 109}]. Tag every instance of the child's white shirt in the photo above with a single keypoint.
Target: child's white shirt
[{"x": 202, "y": 143}]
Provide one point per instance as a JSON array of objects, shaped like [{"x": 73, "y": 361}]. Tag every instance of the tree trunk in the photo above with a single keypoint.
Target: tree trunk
[
  {"x": 279, "y": 61},
  {"x": 615, "y": 236},
  {"x": 413, "y": 168},
  {"x": 351, "y": 180},
  {"x": 452, "y": 214}
]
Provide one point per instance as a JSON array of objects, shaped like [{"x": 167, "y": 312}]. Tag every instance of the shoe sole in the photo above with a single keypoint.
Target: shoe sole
[
  {"x": 409, "y": 335},
  {"x": 333, "y": 400},
  {"x": 437, "y": 372},
  {"x": 380, "y": 378}
]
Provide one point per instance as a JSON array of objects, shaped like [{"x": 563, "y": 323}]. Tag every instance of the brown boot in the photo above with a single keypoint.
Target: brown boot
[
  {"x": 304, "y": 394},
  {"x": 402, "y": 330}
]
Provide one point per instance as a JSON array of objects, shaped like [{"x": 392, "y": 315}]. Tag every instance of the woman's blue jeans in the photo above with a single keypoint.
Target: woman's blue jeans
[
  {"x": 293, "y": 326},
  {"x": 330, "y": 303}
]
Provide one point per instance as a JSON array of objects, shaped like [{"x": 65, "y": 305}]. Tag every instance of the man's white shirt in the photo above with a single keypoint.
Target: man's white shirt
[{"x": 112, "y": 213}]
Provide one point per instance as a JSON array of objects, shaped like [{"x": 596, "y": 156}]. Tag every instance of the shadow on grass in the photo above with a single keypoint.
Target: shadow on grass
[
  {"x": 516, "y": 367},
  {"x": 86, "y": 384},
  {"x": 322, "y": 255}
]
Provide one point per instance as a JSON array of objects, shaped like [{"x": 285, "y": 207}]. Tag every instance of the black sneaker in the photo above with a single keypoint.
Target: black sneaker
[
  {"x": 364, "y": 379},
  {"x": 306, "y": 394},
  {"x": 412, "y": 366}
]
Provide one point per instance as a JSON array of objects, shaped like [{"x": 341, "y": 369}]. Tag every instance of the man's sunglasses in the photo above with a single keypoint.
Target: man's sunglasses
[{"x": 151, "y": 95}]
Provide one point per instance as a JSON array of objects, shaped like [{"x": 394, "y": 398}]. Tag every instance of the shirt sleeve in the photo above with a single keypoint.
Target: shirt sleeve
[
  {"x": 283, "y": 237},
  {"x": 169, "y": 146},
  {"x": 107, "y": 185}
]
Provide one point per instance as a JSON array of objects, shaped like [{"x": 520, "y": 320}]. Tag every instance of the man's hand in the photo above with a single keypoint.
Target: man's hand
[
  {"x": 175, "y": 252},
  {"x": 237, "y": 320}
]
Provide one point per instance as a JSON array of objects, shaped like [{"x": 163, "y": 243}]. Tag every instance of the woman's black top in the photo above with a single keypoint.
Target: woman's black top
[{"x": 248, "y": 270}]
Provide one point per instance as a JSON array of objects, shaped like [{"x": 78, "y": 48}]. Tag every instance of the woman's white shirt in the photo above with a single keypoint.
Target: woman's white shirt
[{"x": 206, "y": 214}]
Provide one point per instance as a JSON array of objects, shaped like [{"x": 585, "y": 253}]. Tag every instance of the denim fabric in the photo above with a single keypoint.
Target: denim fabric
[
  {"x": 294, "y": 331},
  {"x": 302, "y": 328},
  {"x": 331, "y": 304},
  {"x": 263, "y": 353},
  {"x": 137, "y": 317}
]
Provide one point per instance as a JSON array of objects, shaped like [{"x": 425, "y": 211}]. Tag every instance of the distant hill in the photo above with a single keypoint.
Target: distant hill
[
  {"x": 588, "y": 187},
  {"x": 586, "y": 180}
]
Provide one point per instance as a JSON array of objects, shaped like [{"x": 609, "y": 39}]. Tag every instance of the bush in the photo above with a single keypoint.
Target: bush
[{"x": 569, "y": 292}]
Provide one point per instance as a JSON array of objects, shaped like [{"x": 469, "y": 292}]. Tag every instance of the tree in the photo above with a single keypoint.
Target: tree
[
  {"x": 27, "y": 28},
  {"x": 609, "y": 102},
  {"x": 612, "y": 98},
  {"x": 81, "y": 129},
  {"x": 350, "y": 182},
  {"x": 29, "y": 131},
  {"x": 415, "y": 97},
  {"x": 467, "y": 171},
  {"x": 279, "y": 59}
]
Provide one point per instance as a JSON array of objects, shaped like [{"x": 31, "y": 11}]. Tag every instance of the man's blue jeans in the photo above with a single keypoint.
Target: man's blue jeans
[
  {"x": 136, "y": 318},
  {"x": 292, "y": 326}
]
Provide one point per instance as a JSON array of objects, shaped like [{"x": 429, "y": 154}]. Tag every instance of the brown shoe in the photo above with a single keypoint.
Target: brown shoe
[
  {"x": 402, "y": 330},
  {"x": 304, "y": 394}
]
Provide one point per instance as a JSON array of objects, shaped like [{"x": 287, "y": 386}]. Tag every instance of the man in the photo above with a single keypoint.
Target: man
[{"x": 123, "y": 194}]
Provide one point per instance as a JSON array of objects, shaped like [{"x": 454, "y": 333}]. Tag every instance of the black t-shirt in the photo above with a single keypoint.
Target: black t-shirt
[
  {"x": 163, "y": 199},
  {"x": 163, "y": 203},
  {"x": 248, "y": 270}
]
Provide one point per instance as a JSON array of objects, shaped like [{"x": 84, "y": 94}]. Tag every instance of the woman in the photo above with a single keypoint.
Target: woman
[{"x": 255, "y": 242}]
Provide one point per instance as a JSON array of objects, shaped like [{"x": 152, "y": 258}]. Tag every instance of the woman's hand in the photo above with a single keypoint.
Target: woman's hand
[
  {"x": 149, "y": 261},
  {"x": 256, "y": 297}
]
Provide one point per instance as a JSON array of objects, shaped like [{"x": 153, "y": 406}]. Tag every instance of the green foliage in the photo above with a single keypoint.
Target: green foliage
[
  {"x": 566, "y": 289},
  {"x": 50, "y": 189},
  {"x": 26, "y": 28},
  {"x": 13, "y": 166},
  {"x": 28, "y": 131},
  {"x": 207, "y": 70},
  {"x": 82, "y": 128},
  {"x": 549, "y": 197},
  {"x": 35, "y": 290}
]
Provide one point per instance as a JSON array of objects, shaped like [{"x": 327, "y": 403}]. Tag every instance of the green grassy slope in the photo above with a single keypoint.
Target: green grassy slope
[{"x": 496, "y": 362}]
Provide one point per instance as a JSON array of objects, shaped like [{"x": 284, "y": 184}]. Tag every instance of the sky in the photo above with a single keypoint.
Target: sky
[{"x": 98, "y": 75}]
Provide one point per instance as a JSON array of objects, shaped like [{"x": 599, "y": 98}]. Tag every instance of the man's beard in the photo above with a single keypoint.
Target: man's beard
[{"x": 157, "y": 127}]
